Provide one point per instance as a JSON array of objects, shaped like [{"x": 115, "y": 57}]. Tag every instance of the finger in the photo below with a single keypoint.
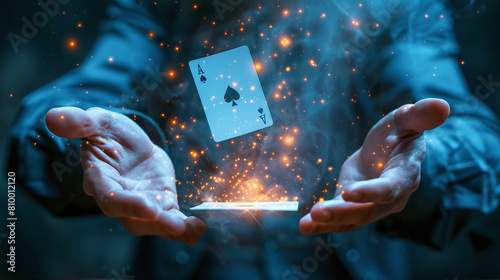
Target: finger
[
  {"x": 379, "y": 190},
  {"x": 73, "y": 122},
  {"x": 424, "y": 115},
  {"x": 123, "y": 203},
  {"x": 340, "y": 212},
  {"x": 165, "y": 223},
  {"x": 169, "y": 225},
  {"x": 309, "y": 226},
  {"x": 403, "y": 124}
]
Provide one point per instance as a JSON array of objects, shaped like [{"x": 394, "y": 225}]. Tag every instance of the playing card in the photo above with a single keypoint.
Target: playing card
[
  {"x": 214, "y": 213},
  {"x": 231, "y": 93},
  {"x": 263, "y": 206}
]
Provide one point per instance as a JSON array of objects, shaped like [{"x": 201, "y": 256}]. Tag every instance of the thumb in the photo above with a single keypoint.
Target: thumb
[
  {"x": 408, "y": 119},
  {"x": 424, "y": 115},
  {"x": 73, "y": 122}
]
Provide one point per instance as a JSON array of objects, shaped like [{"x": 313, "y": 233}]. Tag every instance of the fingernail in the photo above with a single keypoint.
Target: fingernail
[
  {"x": 312, "y": 228},
  {"x": 324, "y": 216},
  {"x": 355, "y": 196}
]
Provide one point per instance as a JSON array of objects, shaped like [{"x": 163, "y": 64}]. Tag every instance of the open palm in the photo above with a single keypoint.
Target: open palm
[
  {"x": 378, "y": 179},
  {"x": 129, "y": 177}
]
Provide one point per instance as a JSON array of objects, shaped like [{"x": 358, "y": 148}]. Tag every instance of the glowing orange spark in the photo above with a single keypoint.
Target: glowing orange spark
[{"x": 285, "y": 42}]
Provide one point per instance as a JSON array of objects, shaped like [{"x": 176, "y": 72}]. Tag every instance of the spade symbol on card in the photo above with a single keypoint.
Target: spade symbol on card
[
  {"x": 203, "y": 79},
  {"x": 231, "y": 95},
  {"x": 262, "y": 116}
]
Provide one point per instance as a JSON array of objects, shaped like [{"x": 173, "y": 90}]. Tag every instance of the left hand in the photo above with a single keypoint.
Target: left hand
[{"x": 378, "y": 179}]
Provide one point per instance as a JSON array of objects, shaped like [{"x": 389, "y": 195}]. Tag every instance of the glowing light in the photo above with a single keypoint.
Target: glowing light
[
  {"x": 110, "y": 59},
  {"x": 289, "y": 140},
  {"x": 195, "y": 6},
  {"x": 285, "y": 41},
  {"x": 112, "y": 194},
  {"x": 287, "y": 69},
  {"x": 312, "y": 62},
  {"x": 380, "y": 164},
  {"x": 258, "y": 67},
  {"x": 426, "y": 15},
  {"x": 151, "y": 35},
  {"x": 285, "y": 13},
  {"x": 462, "y": 62},
  {"x": 79, "y": 25},
  {"x": 62, "y": 117}
]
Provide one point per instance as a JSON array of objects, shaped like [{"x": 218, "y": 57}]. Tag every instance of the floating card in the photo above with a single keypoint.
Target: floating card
[
  {"x": 262, "y": 206},
  {"x": 231, "y": 93}
]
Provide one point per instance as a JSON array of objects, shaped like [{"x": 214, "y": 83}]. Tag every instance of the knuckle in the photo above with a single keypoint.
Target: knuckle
[
  {"x": 390, "y": 193},
  {"x": 106, "y": 210},
  {"x": 399, "y": 208},
  {"x": 86, "y": 189},
  {"x": 389, "y": 197},
  {"x": 134, "y": 231},
  {"x": 416, "y": 183}
]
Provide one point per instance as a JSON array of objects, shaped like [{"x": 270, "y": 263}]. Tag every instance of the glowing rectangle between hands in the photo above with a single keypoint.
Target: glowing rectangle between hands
[{"x": 264, "y": 206}]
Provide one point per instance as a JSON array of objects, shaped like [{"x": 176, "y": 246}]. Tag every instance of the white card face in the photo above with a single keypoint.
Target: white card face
[
  {"x": 231, "y": 93},
  {"x": 263, "y": 206}
]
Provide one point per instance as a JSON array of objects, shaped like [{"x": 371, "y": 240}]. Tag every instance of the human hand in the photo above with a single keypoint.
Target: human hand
[
  {"x": 129, "y": 177},
  {"x": 378, "y": 179}
]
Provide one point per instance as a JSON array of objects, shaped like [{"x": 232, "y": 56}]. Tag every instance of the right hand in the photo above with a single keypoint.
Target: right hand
[{"x": 129, "y": 177}]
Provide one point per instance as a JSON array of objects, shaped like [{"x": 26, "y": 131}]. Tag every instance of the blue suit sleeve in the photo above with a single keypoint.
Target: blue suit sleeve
[
  {"x": 120, "y": 69},
  {"x": 460, "y": 191}
]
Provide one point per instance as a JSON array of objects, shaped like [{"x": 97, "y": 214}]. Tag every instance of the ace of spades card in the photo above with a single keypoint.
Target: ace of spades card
[{"x": 231, "y": 93}]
